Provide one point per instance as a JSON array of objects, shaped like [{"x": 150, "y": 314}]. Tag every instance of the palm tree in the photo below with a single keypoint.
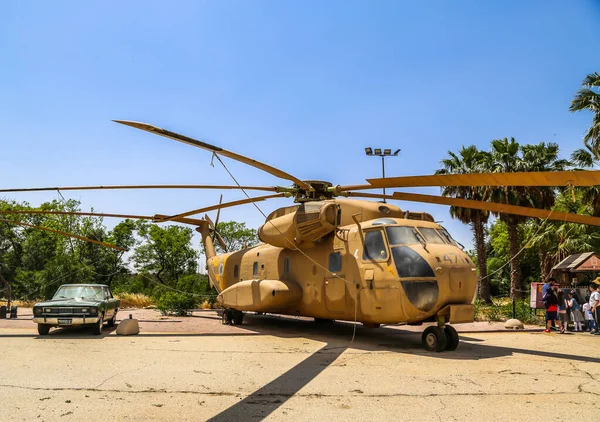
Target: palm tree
[
  {"x": 556, "y": 240},
  {"x": 469, "y": 160},
  {"x": 587, "y": 158},
  {"x": 508, "y": 156},
  {"x": 588, "y": 99}
]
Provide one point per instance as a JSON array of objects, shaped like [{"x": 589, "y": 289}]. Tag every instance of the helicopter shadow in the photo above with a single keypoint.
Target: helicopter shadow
[{"x": 337, "y": 338}]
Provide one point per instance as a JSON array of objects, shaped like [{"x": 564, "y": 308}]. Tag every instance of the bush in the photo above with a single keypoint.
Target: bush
[
  {"x": 179, "y": 304},
  {"x": 501, "y": 310}
]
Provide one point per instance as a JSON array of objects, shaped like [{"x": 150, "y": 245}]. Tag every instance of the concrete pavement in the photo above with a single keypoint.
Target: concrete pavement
[{"x": 291, "y": 369}]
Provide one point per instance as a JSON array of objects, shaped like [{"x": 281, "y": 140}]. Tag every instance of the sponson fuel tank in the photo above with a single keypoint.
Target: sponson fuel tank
[
  {"x": 261, "y": 295},
  {"x": 303, "y": 225}
]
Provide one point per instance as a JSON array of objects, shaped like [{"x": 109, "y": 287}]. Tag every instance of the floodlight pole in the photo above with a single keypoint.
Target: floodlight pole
[
  {"x": 383, "y": 153},
  {"x": 383, "y": 173}
]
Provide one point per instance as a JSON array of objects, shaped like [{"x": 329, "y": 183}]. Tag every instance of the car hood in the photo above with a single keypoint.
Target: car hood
[{"x": 69, "y": 302}]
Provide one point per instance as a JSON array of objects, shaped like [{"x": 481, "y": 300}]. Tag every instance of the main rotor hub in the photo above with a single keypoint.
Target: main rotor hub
[{"x": 320, "y": 191}]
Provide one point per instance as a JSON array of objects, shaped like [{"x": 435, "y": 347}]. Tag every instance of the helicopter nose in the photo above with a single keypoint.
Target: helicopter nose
[{"x": 422, "y": 294}]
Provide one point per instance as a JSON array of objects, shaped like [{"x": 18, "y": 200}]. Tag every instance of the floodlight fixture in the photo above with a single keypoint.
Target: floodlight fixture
[{"x": 387, "y": 152}]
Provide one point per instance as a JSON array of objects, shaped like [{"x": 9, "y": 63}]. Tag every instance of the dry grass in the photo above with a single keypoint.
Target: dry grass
[
  {"x": 21, "y": 303},
  {"x": 205, "y": 305},
  {"x": 135, "y": 300}
]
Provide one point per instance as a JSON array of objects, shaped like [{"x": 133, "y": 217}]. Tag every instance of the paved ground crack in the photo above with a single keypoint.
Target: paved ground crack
[{"x": 287, "y": 395}]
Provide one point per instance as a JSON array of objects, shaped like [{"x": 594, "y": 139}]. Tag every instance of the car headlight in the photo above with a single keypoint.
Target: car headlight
[
  {"x": 37, "y": 310},
  {"x": 48, "y": 310},
  {"x": 93, "y": 310}
]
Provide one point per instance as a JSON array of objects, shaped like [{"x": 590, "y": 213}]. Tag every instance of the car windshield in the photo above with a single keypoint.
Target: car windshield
[{"x": 69, "y": 292}]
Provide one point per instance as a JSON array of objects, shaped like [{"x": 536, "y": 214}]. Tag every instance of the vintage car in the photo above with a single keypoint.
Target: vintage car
[{"x": 76, "y": 305}]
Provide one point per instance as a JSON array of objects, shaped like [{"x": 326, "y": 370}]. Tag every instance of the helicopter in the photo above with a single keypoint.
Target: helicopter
[{"x": 338, "y": 254}]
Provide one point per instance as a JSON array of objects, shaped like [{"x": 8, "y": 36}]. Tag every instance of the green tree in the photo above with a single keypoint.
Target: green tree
[
  {"x": 166, "y": 252},
  {"x": 588, "y": 98},
  {"x": 469, "y": 160},
  {"x": 236, "y": 236},
  {"x": 507, "y": 156}
]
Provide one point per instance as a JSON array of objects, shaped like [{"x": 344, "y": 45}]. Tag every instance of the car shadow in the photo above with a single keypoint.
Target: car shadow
[{"x": 84, "y": 333}]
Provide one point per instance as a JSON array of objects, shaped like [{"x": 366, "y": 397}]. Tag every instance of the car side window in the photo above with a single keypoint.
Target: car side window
[{"x": 105, "y": 293}]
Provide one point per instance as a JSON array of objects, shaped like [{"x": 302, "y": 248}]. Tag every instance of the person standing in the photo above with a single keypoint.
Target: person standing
[
  {"x": 587, "y": 314},
  {"x": 563, "y": 318},
  {"x": 576, "y": 315},
  {"x": 595, "y": 304},
  {"x": 551, "y": 302}
]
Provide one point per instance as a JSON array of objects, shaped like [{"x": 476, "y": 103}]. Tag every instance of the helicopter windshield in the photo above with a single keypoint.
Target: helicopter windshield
[
  {"x": 398, "y": 235},
  {"x": 431, "y": 235}
]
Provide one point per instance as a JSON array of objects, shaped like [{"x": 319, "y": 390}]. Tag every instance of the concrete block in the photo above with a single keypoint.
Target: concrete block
[
  {"x": 513, "y": 324},
  {"x": 128, "y": 327}
]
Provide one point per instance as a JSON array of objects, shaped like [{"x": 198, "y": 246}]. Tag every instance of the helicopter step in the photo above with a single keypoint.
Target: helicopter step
[{"x": 232, "y": 317}]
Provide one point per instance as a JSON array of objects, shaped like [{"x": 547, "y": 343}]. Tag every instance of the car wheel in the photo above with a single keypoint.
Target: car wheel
[
  {"x": 97, "y": 328},
  {"x": 434, "y": 339},
  {"x": 451, "y": 338},
  {"x": 113, "y": 321},
  {"x": 43, "y": 329}
]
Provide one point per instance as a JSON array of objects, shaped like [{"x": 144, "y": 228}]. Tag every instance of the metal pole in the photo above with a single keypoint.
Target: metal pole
[
  {"x": 514, "y": 308},
  {"x": 383, "y": 171}
]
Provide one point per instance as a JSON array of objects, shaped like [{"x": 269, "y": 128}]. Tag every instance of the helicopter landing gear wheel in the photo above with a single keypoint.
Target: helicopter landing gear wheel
[
  {"x": 434, "y": 339},
  {"x": 452, "y": 338},
  {"x": 237, "y": 318},
  {"x": 226, "y": 317}
]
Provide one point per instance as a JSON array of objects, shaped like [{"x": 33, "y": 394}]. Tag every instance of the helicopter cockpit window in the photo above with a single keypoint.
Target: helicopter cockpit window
[
  {"x": 335, "y": 262},
  {"x": 431, "y": 235},
  {"x": 374, "y": 246},
  {"x": 401, "y": 235},
  {"x": 447, "y": 236}
]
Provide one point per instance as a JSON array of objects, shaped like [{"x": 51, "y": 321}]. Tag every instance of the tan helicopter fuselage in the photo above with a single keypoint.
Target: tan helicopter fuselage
[{"x": 369, "y": 263}]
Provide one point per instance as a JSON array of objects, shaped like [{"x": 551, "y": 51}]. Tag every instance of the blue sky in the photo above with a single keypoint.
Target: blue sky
[{"x": 302, "y": 85}]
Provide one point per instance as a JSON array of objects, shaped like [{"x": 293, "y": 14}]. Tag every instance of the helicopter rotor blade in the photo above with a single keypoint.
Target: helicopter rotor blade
[
  {"x": 160, "y": 219},
  {"x": 370, "y": 195},
  {"x": 75, "y": 236},
  {"x": 554, "y": 178},
  {"x": 217, "y": 219},
  {"x": 217, "y": 150},
  {"x": 499, "y": 208},
  {"x": 114, "y": 187},
  {"x": 215, "y": 232},
  {"x": 190, "y": 221}
]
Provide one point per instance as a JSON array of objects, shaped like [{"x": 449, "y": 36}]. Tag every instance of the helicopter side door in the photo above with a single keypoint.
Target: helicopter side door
[
  {"x": 335, "y": 284},
  {"x": 380, "y": 295}
]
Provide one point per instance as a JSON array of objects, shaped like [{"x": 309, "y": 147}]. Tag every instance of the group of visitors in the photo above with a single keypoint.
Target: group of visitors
[{"x": 562, "y": 308}]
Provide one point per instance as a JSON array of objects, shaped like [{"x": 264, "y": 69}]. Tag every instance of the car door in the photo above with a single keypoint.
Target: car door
[{"x": 110, "y": 303}]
